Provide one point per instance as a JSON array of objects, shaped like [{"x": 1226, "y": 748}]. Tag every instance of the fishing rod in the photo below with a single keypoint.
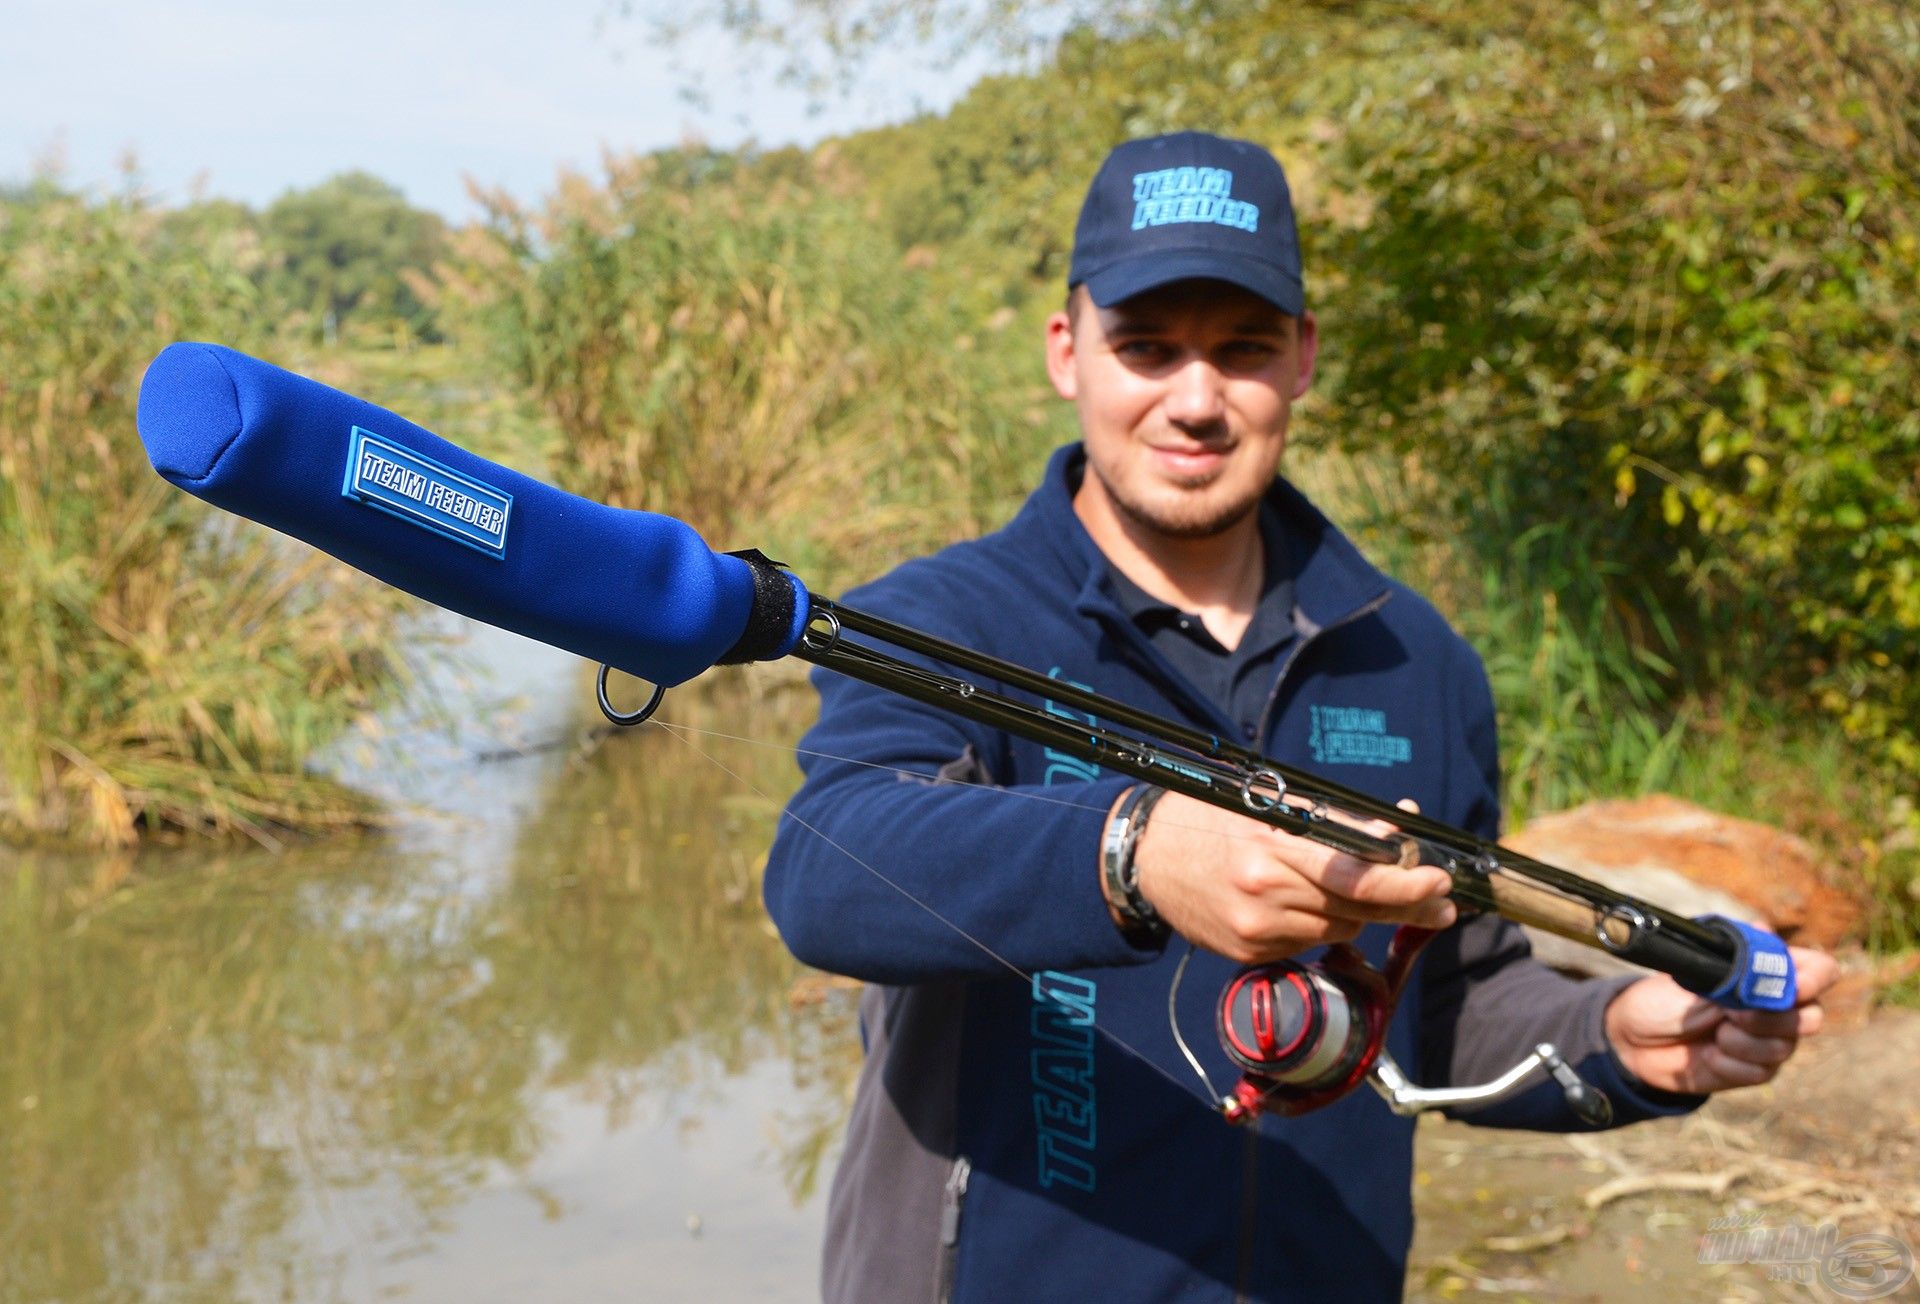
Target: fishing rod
[
  {"x": 1283, "y": 1023},
  {"x": 643, "y": 593}
]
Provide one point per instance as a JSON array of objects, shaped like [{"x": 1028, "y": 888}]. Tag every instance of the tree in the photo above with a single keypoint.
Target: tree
[{"x": 343, "y": 247}]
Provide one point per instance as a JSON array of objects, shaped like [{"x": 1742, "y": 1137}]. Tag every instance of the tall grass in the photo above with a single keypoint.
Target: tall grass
[
  {"x": 750, "y": 354},
  {"x": 159, "y": 669}
]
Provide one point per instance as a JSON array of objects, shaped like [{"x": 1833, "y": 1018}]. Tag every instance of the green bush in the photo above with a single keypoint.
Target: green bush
[
  {"x": 1646, "y": 271},
  {"x": 159, "y": 668},
  {"x": 1630, "y": 274}
]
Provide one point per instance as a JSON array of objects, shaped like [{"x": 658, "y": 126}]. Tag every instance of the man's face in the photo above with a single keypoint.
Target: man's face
[{"x": 1184, "y": 394}]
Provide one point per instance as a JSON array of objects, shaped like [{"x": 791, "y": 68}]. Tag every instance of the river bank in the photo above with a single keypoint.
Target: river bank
[{"x": 1628, "y": 1215}]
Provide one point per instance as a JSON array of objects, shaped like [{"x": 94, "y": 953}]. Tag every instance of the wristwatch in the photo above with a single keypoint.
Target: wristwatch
[{"x": 1139, "y": 921}]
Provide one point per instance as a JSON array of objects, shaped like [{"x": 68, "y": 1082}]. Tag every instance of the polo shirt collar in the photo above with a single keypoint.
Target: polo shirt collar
[{"x": 1332, "y": 580}]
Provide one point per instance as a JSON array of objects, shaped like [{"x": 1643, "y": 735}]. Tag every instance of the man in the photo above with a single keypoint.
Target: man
[{"x": 1025, "y": 1127}]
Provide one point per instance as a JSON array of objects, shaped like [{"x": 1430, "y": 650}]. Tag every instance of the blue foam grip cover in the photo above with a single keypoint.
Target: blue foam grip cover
[{"x": 639, "y": 591}]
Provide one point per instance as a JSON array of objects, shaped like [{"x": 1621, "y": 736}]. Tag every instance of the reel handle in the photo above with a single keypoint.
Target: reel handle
[{"x": 1588, "y": 1103}]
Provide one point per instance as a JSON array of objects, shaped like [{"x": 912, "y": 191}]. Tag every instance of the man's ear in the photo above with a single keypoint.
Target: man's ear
[
  {"x": 1060, "y": 370},
  {"x": 1307, "y": 350}
]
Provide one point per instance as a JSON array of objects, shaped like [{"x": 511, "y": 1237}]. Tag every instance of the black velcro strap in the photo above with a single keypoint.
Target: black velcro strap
[{"x": 771, "y": 620}]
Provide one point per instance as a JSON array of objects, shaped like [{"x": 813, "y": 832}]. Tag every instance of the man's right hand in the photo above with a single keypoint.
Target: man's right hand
[{"x": 1249, "y": 892}]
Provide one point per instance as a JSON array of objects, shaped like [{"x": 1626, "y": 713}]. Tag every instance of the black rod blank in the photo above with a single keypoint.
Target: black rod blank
[{"x": 1224, "y": 774}]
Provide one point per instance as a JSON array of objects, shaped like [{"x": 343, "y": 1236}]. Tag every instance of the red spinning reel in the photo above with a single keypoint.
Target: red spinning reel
[{"x": 1304, "y": 1035}]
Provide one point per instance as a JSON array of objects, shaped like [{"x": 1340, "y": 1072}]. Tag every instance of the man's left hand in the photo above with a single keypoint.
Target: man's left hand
[{"x": 1671, "y": 1039}]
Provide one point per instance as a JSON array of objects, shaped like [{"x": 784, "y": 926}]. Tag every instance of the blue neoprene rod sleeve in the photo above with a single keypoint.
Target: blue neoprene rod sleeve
[{"x": 639, "y": 591}]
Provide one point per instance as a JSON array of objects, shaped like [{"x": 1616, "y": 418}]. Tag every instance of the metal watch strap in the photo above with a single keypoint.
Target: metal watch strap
[{"x": 1139, "y": 920}]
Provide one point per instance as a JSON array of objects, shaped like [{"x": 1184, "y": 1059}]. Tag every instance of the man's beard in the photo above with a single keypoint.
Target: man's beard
[{"x": 1190, "y": 519}]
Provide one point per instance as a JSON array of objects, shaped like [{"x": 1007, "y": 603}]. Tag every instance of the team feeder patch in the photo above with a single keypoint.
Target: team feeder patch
[
  {"x": 1353, "y": 735},
  {"x": 403, "y": 483},
  {"x": 1181, "y": 195}
]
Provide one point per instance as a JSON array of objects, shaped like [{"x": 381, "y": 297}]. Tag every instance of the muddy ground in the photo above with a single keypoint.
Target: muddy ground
[{"x": 1621, "y": 1216}]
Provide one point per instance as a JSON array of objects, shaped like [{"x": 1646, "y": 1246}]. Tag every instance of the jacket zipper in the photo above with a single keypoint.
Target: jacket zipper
[
  {"x": 951, "y": 1201},
  {"x": 1249, "y": 1215},
  {"x": 1250, "y": 1174},
  {"x": 1293, "y": 659},
  {"x": 1144, "y": 651}
]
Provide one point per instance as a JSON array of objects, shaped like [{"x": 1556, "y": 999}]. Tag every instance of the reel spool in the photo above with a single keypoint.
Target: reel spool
[
  {"x": 1293, "y": 1023},
  {"x": 1305, "y": 1034}
]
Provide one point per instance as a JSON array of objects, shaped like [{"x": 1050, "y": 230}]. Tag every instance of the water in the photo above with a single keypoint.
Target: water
[{"x": 538, "y": 1042}]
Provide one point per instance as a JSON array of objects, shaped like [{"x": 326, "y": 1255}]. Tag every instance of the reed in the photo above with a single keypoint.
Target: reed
[
  {"x": 163, "y": 670},
  {"x": 754, "y": 358}
]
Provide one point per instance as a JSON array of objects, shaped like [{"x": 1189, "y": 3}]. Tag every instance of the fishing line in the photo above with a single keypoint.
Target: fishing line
[
  {"x": 1025, "y": 793},
  {"x": 1025, "y": 977}
]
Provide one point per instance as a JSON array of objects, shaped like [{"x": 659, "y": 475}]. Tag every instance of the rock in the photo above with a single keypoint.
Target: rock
[
  {"x": 1853, "y": 997},
  {"x": 1691, "y": 861}
]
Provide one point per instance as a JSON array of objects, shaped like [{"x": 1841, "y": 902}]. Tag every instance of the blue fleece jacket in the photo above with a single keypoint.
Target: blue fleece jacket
[{"x": 1025, "y": 1126}]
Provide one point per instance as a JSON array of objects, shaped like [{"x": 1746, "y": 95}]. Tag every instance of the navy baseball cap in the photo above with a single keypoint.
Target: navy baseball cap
[{"x": 1184, "y": 207}]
